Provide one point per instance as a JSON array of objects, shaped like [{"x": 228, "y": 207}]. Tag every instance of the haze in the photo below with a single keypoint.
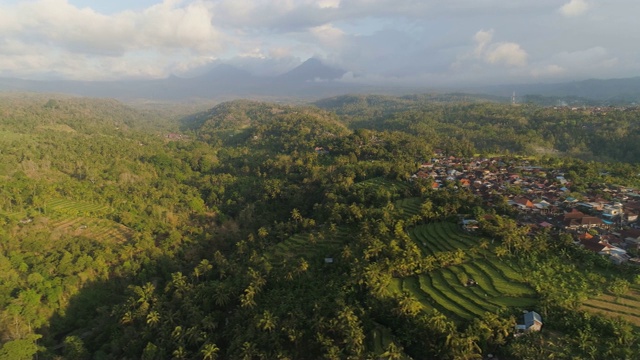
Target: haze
[{"x": 441, "y": 43}]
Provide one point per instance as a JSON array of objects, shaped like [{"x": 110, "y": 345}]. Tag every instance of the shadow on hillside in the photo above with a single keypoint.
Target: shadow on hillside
[{"x": 90, "y": 314}]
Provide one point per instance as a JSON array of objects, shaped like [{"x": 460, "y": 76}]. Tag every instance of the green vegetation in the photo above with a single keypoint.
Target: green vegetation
[
  {"x": 266, "y": 231},
  {"x": 496, "y": 284}
]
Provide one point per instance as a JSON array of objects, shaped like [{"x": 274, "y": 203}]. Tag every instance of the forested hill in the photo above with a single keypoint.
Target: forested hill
[
  {"x": 29, "y": 112},
  {"x": 269, "y": 231},
  {"x": 605, "y": 133}
]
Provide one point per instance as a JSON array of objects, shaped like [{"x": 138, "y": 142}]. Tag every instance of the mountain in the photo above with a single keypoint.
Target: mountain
[
  {"x": 313, "y": 80},
  {"x": 312, "y": 70},
  {"x": 613, "y": 91},
  {"x": 222, "y": 82}
]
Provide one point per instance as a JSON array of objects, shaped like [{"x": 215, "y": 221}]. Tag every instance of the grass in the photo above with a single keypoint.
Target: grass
[
  {"x": 498, "y": 283},
  {"x": 72, "y": 207},
  {"x": 412, "y": 286},
  {"x": 612, "y": 310},
  {"x": 310, "y": 246},
  {"x": 409, "y": 207},
  {"x": 504, "y": 284},
  {"x": 100, "y": 229},
  {"x": 448, "y": 287},
  {"x": 626, "y": 306},
  {"x": 444, "y": 302},
  {"x": 474, "y": 293}
]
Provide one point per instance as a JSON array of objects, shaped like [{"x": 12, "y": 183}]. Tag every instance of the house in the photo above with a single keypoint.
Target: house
[
  {"x": 470, "y": 224},
  {"x": 603, "y": 247},
  {"x": 523, "y": 203},
  {"x": 630, "y": 217},
  {"x": 584, "y": 222},
  {"x": 631, "y": 236},
  {"x": 532, "y": 322},
  {"x": 576, "y": 219}
]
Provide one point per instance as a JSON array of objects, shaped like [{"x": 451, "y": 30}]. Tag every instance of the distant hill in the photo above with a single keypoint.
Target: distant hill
[
  {"x": 27, "y": 113},
  {"x": 608, "y": 91},
  {"x": 311, "y": 70},
  {"x": 312, "y": 79}
]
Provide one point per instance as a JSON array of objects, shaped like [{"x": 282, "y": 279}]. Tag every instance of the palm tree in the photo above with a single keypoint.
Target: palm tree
[
  {"x": 179, "y": 353},
  {"x": 501, "y": 251},
  {"x": 393, "y": 352},
  {"x": 248, "y": 351},
  {"x": 484, "y": 245},
  {"x": 267, "y": 322},
  {"x": 209, "y": 351},
  {"x": 153, "y": 318}
]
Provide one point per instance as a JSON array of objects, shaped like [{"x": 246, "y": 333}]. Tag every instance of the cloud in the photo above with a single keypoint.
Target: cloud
[
  {"x": 510, "y": 54},
  {"x": 574, "y": 8},
  {"x": 375, "y": 39},
  {"x": 552, "y": 70},
  {"x": 482, "y": 39},
  {"x": 500, "y": 53},
  {"x": 49, "y": 32},
  {"x": 329, "y": 35}
]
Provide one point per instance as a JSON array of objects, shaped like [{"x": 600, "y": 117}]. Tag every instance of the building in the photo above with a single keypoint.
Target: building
[{"x": 532, "y": 322}]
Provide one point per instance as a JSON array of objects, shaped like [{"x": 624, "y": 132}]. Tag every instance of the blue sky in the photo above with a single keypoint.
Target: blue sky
[
  {"x": 426, "y": 42},
  {"x": 113, "y": 6}
]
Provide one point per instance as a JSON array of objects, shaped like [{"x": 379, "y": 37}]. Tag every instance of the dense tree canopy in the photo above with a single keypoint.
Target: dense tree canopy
[{"x": 267, "y": 231}]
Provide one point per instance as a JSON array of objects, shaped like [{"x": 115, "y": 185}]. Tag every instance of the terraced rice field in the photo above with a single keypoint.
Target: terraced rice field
[
  {"x": 66, "y": 206},
  {"x": 498, "y": 284},
  {"x": 310, "y": 246},
  {"x": 627, "y": 306},
  {"x": 409, "y": 206},
  {"x": 99, "y": 229},
  {"x": 393, "y": 186}
]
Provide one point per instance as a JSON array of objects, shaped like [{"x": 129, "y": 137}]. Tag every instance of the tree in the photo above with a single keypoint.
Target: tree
[
  {"x": 21, "y": 349},
  {"x": 267, "y": 321},
  {"x": 209, "y": 351},
  {"x": 619, "y": 287},
  {"x": 392, "y": 352},
  {"x": 74, "y": 348}
]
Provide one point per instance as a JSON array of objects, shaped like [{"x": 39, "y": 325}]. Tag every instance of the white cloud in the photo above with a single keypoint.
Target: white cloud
[
  {"x": 500, "y": 53},
  {"x": 328, "y": 4},
  {"x": 482, "y": 39},
  {"x": 574, "y": 8},
  {"x": 49, "y": 32},
  {"x": 407, "y": 39},
  {"x": 328, "y": 35},
  {"x": 510, "y": 54}
]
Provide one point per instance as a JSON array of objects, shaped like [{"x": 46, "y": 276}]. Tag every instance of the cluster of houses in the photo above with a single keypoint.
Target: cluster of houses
[
  {"x": 603, "y": 221},
  {"x": 175, "y": 136}
]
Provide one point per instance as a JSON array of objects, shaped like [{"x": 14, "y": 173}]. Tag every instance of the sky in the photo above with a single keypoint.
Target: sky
[{"x": 414, "y": 42}]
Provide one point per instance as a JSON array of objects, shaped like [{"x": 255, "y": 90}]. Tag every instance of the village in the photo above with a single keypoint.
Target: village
[{"x": 602, "y": 220}]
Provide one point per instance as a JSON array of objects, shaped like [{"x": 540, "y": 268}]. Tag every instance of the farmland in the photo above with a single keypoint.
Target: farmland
[
  {"x": 496, "y": 283},
  {"x": 626, "y": 306}
]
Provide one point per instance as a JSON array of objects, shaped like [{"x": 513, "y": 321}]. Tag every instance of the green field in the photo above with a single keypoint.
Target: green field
[
  {"x": 380, "y": 182},
  {"x": 311, "y": 246},
  {"x": 98, "y": 229},
  {"x": 409, "y": 207},
  {"x": 498, "y": 283},
  {"x": 72, "y": 207},
  {"x": 627, "y": 306}
]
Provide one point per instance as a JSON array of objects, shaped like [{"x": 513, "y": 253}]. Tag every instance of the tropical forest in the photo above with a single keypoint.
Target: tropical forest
[{"x": 426, "y": 226}]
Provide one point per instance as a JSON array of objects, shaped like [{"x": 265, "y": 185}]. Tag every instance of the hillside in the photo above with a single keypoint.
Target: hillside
[{"x": 262, "y": 231}]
